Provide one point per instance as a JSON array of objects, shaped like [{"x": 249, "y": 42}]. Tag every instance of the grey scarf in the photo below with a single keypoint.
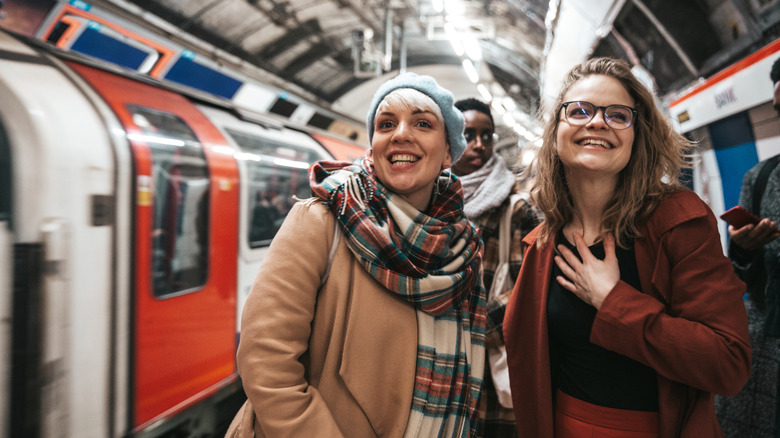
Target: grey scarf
[{"x": 487, "y": 187}]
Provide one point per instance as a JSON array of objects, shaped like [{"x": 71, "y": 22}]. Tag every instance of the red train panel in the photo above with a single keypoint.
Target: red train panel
[{"x": 186, "y": 216}]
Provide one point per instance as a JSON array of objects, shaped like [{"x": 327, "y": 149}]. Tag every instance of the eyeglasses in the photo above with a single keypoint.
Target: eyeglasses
[
  {"x": 487, "y": 137},
  {"x": 580, "y": 112}
]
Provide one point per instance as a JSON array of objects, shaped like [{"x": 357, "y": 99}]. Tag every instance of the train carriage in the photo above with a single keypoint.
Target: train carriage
[
  {"x": 133, "y": 217},
  {"x": 731, "y": 117}
]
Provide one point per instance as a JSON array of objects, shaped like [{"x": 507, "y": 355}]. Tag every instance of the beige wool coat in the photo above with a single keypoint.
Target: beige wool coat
[{"x": 331, "y": 362}]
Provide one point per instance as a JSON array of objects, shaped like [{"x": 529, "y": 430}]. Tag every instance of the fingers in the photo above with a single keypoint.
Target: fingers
[
  {"x": 568, "y": 285},
  {"x": 752, "y": 237},
  {"x": 567, "y": 255},
  {"x": 764, "y": 231},
  {"x": 583, "y": 249},
  {"x": 565, "y": 267},
  {"x": 609, "y": 249},
  {"x": 590, "y": 279}
]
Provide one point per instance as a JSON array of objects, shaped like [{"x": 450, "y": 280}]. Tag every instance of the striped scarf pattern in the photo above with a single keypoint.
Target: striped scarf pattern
[{"x": 432, "y": 260}]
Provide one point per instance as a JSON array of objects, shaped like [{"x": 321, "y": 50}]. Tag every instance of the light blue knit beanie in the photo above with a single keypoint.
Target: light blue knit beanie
[{"x": 453, "y": 118}]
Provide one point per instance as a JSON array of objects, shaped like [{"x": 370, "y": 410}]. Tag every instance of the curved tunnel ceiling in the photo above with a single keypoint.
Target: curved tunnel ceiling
[
  {"x": 310, "y": 43},
  {"x": 525, "y": 46},
  {"x": 332, "y": 54}
]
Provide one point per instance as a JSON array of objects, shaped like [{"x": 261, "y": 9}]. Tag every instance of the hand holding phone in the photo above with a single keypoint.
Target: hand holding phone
[{"x": 739, "y": 217}]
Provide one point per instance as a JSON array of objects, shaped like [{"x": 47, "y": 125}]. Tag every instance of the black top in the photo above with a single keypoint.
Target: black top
[{"x": 587, "y": 371}]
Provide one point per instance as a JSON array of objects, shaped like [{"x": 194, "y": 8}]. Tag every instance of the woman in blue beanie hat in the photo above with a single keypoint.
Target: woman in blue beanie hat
[{"x": 391, "y": 343}]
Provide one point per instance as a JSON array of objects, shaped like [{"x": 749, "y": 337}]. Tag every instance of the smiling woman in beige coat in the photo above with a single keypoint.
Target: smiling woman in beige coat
[{"x": 391, "y": 344}]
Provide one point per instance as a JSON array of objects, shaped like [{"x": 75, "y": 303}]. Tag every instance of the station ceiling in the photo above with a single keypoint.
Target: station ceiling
[
  {"x": 329, "y": 48},
  {"x": 337, "y": 51}
]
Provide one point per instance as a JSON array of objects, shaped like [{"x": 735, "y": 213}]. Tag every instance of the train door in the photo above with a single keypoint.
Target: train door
[
  {"x": 185, "y": 221},
  {"x": 273, "y": 161},
  {"x": 56, "y": 195},
  {"x": 735, "y": 149}
]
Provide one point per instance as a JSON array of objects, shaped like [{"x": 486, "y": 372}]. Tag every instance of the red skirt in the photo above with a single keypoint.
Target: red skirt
[{"x": 575, "y": 418}]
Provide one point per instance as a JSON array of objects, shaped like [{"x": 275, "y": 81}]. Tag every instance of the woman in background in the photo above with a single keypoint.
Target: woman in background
[
  {"x": 490, "y": 191},
  {"x": 627, "y": 317}
]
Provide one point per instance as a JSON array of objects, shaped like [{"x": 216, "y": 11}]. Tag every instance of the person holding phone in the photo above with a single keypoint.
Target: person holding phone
[
  {"x": 626, "y": 317},
  {"x": 754, "y": 250}
]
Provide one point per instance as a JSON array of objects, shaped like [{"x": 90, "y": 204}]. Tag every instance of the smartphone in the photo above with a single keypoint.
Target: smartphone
[{"x": 739, "y": 217}]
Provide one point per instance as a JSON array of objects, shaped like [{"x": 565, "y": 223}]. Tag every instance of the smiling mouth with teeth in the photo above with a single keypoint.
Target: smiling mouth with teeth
[
  {"x": 600, "y": 143},
  {"x": 403, "y": 159}
]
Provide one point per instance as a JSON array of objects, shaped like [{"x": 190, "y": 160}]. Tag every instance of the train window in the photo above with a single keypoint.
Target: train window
[
  {"x": 191, "y": 71},
  {"x": 277, "y": 171},
  {"x": 180, "y": 180},
  {"x": 283, "y": 107},
  {"x": 102, "y": 42}
]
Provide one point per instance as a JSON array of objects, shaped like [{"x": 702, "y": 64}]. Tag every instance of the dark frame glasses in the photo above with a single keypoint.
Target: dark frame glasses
[
  {"x": 487, "y": 137},
  {"x": 580, "y": 112}
]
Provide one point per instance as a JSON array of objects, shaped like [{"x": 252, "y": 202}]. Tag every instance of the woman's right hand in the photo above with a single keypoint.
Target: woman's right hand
[{"x": 590, "y": 279}]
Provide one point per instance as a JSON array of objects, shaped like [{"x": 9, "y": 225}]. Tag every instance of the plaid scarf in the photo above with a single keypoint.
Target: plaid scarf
[{"x": 433, "y": 262}]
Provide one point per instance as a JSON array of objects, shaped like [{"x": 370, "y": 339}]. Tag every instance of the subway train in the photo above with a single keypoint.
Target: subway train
[
  {"x": 134, "y": 214},
  {"x": 731, "y": 118}
]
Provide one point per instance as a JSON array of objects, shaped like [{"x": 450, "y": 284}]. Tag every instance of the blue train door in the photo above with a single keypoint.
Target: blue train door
[{"x": 735, "y": 150}]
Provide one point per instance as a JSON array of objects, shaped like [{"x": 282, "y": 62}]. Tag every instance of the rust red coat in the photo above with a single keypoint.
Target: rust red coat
[{"x": 688, "y": 323}]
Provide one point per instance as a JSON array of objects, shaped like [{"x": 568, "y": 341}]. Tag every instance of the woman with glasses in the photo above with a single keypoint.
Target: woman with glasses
[
  {"x": 489, "y": 192},
  {"x": 626, "y": 318}
]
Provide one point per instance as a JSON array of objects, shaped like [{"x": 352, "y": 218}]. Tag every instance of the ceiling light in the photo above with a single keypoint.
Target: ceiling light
[
  {"x": 471, "y": 72},
  {"x": 497, "y": 107},
  {"x": 520, "y": 129},
  {"x": 509, "y": 120},
  {"x": 454, "y": 38},
  {"x": 454, "y": 7},
  {"x": 473, "y": 50},
  {"x": 484, "y": 92},
  {"x": 528, "y": 157},
  {"x": 510, "y": 104}
]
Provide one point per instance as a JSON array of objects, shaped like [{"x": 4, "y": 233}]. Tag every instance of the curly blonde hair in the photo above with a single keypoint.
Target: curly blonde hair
[{"x": 659, "y": 153}]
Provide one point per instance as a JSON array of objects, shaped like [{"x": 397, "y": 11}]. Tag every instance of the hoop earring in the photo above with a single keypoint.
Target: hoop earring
[{"x": 436, "y": 189}]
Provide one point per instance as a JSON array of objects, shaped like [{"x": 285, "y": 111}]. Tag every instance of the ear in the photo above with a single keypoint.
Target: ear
[{"x": 447, "y": 163}]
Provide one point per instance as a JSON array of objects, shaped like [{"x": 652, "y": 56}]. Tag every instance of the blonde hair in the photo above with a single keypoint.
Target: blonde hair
[
  {"x": 659, "y": 153},
  {"x": 411, "y": 99}
]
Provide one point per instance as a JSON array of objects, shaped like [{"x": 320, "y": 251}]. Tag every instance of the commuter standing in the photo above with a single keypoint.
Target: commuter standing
[
  {"x": 626, "y": 317},
  {"x": 490, "y": 191},
  {"x": 391, "y": 343},
  {"x": 754, "y": 251}
]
